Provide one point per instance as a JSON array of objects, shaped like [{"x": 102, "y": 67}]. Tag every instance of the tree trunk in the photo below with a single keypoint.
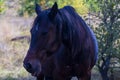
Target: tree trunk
[{"x": 104, "y": 74}]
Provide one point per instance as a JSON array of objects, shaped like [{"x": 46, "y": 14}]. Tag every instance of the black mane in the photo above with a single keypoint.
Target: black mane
[
  {"x": 74, "y": 31},
  {"x": 69, "y": 25}
]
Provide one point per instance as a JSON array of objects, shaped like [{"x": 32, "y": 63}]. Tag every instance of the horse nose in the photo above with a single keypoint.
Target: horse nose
[{"x": 28, "y": 66}]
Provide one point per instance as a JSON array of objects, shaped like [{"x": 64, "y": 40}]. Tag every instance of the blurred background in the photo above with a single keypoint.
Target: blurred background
[{"x": 16, "y": 18}]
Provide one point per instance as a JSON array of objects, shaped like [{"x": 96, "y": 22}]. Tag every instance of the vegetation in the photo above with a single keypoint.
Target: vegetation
[
  {"x": 2, "y": 6},
  {"x": 108, "y": 35},
  {"x": 28, "y": 9},
  {"x": 12, "y": 52},
  {"x": 93, "y": 5}
]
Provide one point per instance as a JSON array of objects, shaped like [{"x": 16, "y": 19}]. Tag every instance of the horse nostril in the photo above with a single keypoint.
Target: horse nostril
[{"x": 28, "y": 66}]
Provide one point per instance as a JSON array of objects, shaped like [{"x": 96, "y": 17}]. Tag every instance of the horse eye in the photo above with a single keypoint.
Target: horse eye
[{"x": 37, "y": 27}]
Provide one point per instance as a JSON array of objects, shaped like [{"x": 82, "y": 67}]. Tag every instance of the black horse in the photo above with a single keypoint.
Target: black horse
[{"x": 62, "y": 45}]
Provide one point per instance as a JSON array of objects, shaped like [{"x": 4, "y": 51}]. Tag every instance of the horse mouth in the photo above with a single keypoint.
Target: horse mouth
[{"x": 36, "y": 74}]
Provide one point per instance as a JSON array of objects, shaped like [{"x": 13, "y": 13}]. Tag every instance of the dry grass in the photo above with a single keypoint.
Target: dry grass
[{"x": 12, "y": 52}]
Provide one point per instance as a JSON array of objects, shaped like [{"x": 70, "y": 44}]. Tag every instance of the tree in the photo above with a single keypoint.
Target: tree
[
  {"x": 80, "y": 6},
  {"x": 2, "y": 6},
  {"x": 93, "y": 5},
  {"x": 108, "y": 35},
  {"x": 27, "y": 6}
]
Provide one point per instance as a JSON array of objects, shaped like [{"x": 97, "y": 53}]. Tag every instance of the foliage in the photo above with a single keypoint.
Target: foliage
[
  {"x": 28, "y": 5},
  {"x": 80, "y": 6},
  {"x": 2, "y": 6},
  {"x": 108, "y": 35},
  {"x": 93, "y": 5}
]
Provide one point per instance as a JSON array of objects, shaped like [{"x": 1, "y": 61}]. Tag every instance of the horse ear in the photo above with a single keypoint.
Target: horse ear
[
  {"x": 53, "y": 11},
  {"x": 37, "y": 9}
]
